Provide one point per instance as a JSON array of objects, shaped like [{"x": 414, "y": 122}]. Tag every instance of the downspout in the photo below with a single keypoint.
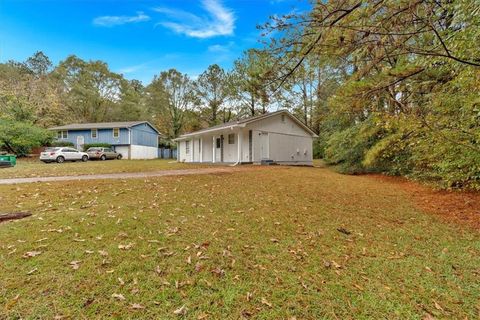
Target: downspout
[
  {"x": 213, "y": 149},
  {"x": 239, "y": 150},
  {"x": 129, "y": 143}
]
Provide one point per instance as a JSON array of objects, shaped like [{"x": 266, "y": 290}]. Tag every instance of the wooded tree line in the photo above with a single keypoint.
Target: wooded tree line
[
  {"x": 395, "y": 84},
  {"x": 38, "y": 93},
  {"x": 389, "y": 85}
]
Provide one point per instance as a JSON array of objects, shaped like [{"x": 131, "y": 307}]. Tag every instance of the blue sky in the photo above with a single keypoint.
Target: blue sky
[{"x": 137, "y": 38}]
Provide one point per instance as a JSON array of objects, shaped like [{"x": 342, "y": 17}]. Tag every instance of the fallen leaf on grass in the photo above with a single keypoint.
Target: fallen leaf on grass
[
  {"x": 358, "y": 287},
  {"x": 437, "y": 306},
  {"x": 158, "y": 270},
  {"x": 265, "y": 302},
  {"x": 198, "y": 267},
  {"x": 428, "y": 316},
  {"x": 118, "y": 296},
  {"x": 181, "y": 311},
  {"x": 137, "y": 306},
  {"x": 75, "y": 264},
  {"x": 219, "y": 272},
  {"x": 125, "y": 246},
  {"x": 202, "y": 316},
  {"x": 32, "y": 271},
  {"x": 12, "y": 302},
  {"x": 31, "y": 254}
]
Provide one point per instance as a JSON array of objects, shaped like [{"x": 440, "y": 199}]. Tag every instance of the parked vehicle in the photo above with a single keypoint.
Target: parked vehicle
[
  {"x": 103, "y": 153},
  {"x": 62, "y": 154}
]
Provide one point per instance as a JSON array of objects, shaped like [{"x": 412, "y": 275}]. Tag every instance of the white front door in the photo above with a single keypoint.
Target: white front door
[
  {"x": 80, "y": 142},
  {"x": 264, "y": 145}
]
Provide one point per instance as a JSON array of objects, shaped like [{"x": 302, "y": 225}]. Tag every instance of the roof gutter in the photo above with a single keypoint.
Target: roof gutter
[{"x": 198, "y": 133}]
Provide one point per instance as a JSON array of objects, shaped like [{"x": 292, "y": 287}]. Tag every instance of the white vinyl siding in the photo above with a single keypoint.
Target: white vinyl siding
[{"x": 231, "y": 138}]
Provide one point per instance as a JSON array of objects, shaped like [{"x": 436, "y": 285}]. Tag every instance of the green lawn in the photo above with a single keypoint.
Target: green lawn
[
  {"x": 36, "y": 168},
  {"x": 259, "y": 244}
]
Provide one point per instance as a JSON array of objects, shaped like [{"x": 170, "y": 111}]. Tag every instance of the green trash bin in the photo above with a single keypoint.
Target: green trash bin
[{"x": 10, "y": 158}]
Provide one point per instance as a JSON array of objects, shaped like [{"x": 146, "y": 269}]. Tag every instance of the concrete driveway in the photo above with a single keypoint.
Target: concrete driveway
[{"x": 123, "y": 175}]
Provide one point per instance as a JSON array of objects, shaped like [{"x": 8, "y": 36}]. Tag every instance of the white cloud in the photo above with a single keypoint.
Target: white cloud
[
  {"x": 111, "y": 21},
  {"x": 131, "y": 69},
  {"x": 219, "y": 22}
]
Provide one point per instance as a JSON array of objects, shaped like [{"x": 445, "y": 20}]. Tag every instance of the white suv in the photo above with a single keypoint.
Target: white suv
[{"x": 62, "y": 154}]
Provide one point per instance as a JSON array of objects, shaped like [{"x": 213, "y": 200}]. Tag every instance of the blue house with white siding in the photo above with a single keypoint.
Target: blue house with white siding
[{"x": 133, "y": 139}]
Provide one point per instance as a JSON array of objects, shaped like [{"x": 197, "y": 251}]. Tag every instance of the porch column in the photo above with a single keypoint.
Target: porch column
[
  {"x": 213, "y": 149},
  {"x": 239, "y": 142},
  {"x": 193, "y": 149},
  {"x": 178, "y": 151}
]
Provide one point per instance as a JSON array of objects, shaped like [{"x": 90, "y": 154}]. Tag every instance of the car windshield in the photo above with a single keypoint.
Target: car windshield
[
  {"x": 94, "y": 149},
  {"x": 51, "y": 149}
]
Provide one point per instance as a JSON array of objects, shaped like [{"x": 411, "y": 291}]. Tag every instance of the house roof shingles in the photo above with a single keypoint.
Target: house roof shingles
[{"x": 247, "y": 120}]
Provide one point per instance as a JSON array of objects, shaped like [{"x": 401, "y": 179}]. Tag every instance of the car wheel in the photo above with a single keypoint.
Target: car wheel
[
  {"x": 103, "y": 158},
  {"x": 84, "y": 158},
  {"x": 119, "y": 157},
  {"x": 60, "y": 159}
]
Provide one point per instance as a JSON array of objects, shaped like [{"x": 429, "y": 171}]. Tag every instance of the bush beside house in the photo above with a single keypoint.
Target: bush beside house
[{"x": 20, "y": 138}]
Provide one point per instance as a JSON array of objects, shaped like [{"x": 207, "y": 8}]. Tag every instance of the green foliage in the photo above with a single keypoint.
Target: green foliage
[
  {"x": 213, "y": 87},
  {"x": 170, "y": 96},
  {"x": 86, "y": 146},
  {"x": 318, "y": 149},
  {"x": 406, "y": 100},
  {"x": 347, "y": 148},
  {"x": 20, "y": 137}
]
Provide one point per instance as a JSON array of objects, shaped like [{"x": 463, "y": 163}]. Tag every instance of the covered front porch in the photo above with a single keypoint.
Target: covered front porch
[{"x": 228, "y": 145}]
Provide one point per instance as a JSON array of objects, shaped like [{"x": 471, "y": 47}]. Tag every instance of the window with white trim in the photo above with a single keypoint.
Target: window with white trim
[
  {"x": 231, "y": 138},
  {"x": 63, "y": 134},
  {"x": 187, "y": 147},
  {"x": 116, "y": 132},
  {"x": 94, "y": 133}
]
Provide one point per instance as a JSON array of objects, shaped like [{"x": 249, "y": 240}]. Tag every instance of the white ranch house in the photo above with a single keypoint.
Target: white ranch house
[{"x": 276, "y": 137}]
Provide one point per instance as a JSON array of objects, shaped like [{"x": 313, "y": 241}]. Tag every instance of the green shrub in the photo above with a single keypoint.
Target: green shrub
[
  {"x": 318, "y": 148},
  {"x": 96, "y": 145},
  {"x": 347, "y": 148},
  {"x": 20, "y": 137}
]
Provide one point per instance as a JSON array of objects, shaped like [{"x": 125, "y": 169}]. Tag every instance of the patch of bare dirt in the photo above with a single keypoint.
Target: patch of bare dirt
[{"x": 454, "y": 206}]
